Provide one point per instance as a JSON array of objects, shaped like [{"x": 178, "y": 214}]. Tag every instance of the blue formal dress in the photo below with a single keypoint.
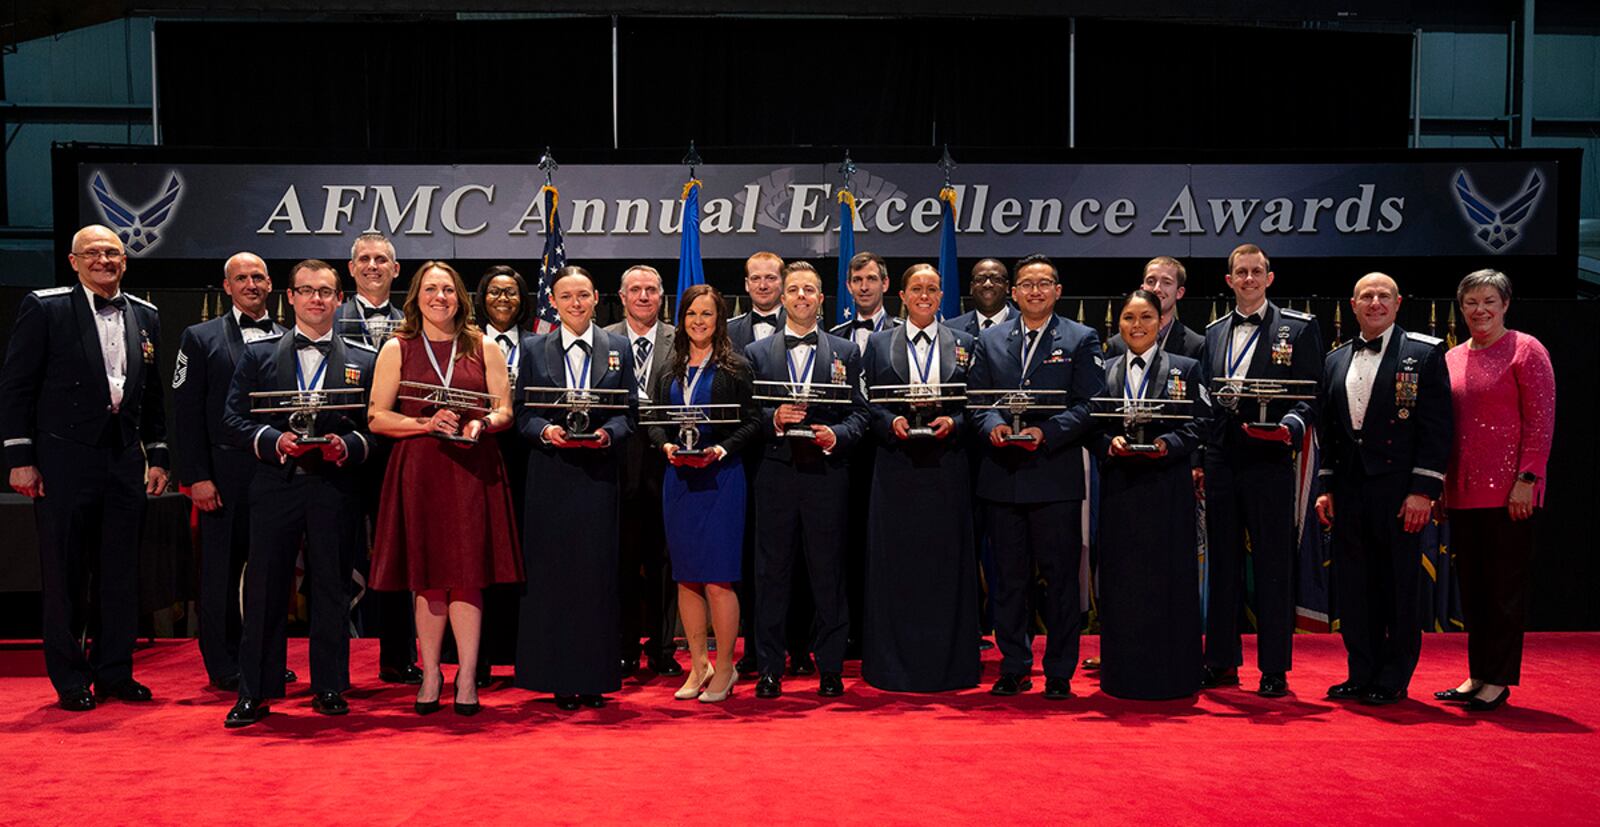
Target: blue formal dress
[{"x": 703, "y": 508}]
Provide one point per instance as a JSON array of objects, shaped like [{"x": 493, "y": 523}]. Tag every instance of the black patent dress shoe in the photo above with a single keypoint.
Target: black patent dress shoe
[
  {"x": 628, "y": 666},
  {"x": 426, "y": 707},
  {"x": 1009, "y": 685},
  {"x": 592, "y": 701},
  {"x": 1347, "y": 691},
  {"x": 76, "y": 700},
  {"x": 1454, "y": 695},
  {"x": 665, "y": 666},
  {"x": 290, "y": 677},
  {"x": 1212, "y": 677},
  {"x": 228, "y": 684},
  {"x": 246, "y": 711},
  {"x": 770, "y": 686},
  {"x": 1057, "y": 689},
  {"x": 408, "y": 675},
  {"x": 1273, "y": 685},
  {"x": 1478, "y": 705},
  {"x": 1090, "y": 663},
  {"x": 329, "y": 703},
  {"x": 126, "y": 689},
  {"x": 748, "y": 667},
  {"x": 801, "y": 666},
  {"x": 830, "y": 685},
  {"x": 567, "y": 703},
  {"x": 1382, "y": 696},
  {"x": 467, "y": 709}
]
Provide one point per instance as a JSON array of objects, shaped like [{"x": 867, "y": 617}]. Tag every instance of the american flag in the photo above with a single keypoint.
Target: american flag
[{"x": 555, "y": 257}]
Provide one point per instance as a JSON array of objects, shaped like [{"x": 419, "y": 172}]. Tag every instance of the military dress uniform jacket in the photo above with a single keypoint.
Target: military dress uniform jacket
[{"x": 1408, "y": 425}]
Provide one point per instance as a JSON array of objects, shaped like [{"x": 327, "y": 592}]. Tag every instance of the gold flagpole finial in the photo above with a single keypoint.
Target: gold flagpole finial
[
  {"x": 1081, "y": 317},
  {"x": 1213, "y": 312},
  {"x": 1433, "y": 319},
  {"x": 280, "y": 308},
  {"x": 205, "y": 306}
]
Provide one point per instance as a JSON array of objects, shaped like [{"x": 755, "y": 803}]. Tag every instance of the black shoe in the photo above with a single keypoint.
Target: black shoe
[
  {"x": 126, "y": 689},
  {"x": 1212, "y": 677},
  {"x": 1057, "y": 689},
  {"x": 628, "y": 666},
  {"x": 228, "y": 684},
  {"x": 76, "y": 700},
  {"x": 666, "y": 666},
  {"x": 801, "y": 666},
  {"x": 1009, "y": 685},
  {"x": 1477, "y": 705},
  {"x": 770, "y": 686},
  {"x": 1273, "y": 685},
  {"x": 1347, "y": 691},
  {"x": 748, "y": 667},
  {"x": 985, "y": 644},
  {"x": 467, "y": 709},
  {"x": 290, "y": 677},
  {"x": 1090, "y": 664},
  {"x": 830, "y": 685},
  {"x": 245, "y": 712},
  {"x": 1383, "y": 696},
  {"x": 408, "y": 675},
  {"x": 567, "y": 703},
  {"x": 329, "y": 703},
  {"x": 427, "y": 707},
  {"x": 484, "y": 677},
  {"x": 1454, "y": 695},
  {"x": 592, "y": 701}
]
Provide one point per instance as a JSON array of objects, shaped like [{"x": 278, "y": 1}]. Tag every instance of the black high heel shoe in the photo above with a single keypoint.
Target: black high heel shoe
[
  {"x": 430, "y": 707},
  {"x": 1454, "y": 695},
  {"x": 1480, "y": 705},
  {"x": 466, "y": 709}
]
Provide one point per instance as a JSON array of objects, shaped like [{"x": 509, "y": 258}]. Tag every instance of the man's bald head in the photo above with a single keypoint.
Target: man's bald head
[{"x": 246, "y": 281}]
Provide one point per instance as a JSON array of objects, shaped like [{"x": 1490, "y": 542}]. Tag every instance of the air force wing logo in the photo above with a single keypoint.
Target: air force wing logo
[
  {"x": 137, "y": 226},
  {"x": 1498, "y": 225}
]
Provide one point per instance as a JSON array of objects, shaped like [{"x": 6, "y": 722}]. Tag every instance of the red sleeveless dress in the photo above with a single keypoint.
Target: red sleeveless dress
[{"x": 445, "y": 519}]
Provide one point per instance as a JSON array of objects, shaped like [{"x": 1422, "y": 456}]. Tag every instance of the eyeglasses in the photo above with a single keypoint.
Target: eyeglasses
[
  {"x": 306, "y": 291},
  {"x": 989, "y": 278},
  {"x": 101, "y": 252},
  {"x": 1035, "y": 286},
  {"x": 502, "y": 292}
]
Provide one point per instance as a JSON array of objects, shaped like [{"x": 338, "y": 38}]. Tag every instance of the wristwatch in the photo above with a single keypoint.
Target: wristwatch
[{"x": 1528, "y": 477}]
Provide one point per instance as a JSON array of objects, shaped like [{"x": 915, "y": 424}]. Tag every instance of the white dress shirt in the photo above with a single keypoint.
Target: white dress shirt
[
  {"x": 986, "y": 322},
  {"x": 1242, "y": 334},
  {"x": 111, "y": 325},
  {"x": 574, "y": 356},
  {"x": 250, "y": 334},
  {"x": 927, "y": 351},
  {"x": 1359, "y": 378}
]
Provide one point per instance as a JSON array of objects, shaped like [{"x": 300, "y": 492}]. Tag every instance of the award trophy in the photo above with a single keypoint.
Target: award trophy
[
  {"x": 922, "y": 402},
  {"x": 1264, "y": 392},
  {"x": 795, "y": 393},
  {"x": 302, "y": 408},
  {"x": 439, "y": 397},
  {"x": 1018, "y": 403},
  {"x": 689, "y": 418},
  {"x": 1137, "y": 414},
  {"x": 374, "y": 330},
  {"x": 577, "y": 403}
]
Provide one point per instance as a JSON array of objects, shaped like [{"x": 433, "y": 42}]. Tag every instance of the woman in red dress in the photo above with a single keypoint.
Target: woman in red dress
[{"x": 446, "y": 520}]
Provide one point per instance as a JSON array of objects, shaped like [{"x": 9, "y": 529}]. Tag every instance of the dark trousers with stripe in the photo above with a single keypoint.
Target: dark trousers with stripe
[
  {"x": 1252, "y": 490},
  {"x": 1048, "y": 536},
  {"x": 800, "y": 518}
]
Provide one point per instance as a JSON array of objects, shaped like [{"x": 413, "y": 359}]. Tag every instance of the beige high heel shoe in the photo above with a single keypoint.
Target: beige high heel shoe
[
  {"x": 691, "y": 688},
  {"x": 709, "y": 697}
]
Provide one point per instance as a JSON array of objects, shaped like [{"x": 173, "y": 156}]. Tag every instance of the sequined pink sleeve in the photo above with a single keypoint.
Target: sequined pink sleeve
[{"x": 1536, "y": 390}]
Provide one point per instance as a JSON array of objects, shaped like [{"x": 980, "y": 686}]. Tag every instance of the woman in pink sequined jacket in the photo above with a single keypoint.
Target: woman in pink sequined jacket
[{"x": 1504, "y": 394}]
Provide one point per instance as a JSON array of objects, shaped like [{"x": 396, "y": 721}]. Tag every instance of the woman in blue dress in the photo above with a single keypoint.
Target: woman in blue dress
[{"x": 703, "y": 495}]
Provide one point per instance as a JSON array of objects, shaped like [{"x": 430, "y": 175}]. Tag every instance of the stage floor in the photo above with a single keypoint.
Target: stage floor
[{"x": 1228, "y": 756}]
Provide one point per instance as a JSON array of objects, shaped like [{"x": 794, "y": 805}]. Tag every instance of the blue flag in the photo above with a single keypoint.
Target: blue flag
[
  {"x": 555, "y": 258},
  {"x": 690, "y": 269},
  {"x": 949, "y": 281},
  {"x": 847, "y": 251}
]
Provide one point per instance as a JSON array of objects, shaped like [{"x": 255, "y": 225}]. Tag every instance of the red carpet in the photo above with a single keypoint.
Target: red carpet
[{"x": 869, "y": 757}]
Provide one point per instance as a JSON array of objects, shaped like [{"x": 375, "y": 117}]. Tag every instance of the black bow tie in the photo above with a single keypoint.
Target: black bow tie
[
  {"x": 1239, "y": 318},
  {"x": 1374, "y": 345},
  {"x": 791, "y": 341},
  {"x": 1138, "y": 361},
  {"x": 302, "y": 341},
  {"x": 579, "y": 344},
  {"x": 757, "y": 318},
  {"x": 263, "y": 324},
  {"x": 380, "y": 310},
  {"x": 870, "y": 324},
  {"x": 921, "y": 338},
  {"x": 503, "y": 341},
  {"x": 120, "y": 302}
]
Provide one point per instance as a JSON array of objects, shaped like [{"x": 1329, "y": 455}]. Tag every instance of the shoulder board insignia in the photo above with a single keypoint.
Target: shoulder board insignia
[
  {"x": 1220, "y": 320},
  {"x": 53, "y": 291},
  {"x": 1296, "y": 314},
  {"x": 1431, "y": 341},
  {"x": 738, "y": 317},
  {"x": 137, "y": 300},
  {"x": 270, "y": 337},
  {"x": 358, "y": 344}
]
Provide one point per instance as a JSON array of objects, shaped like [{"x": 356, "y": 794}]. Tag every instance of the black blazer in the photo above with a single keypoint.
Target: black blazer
[
  {"x": 207, "y": 355},
  {"x": 1281, "y": 327},
  {"x": 55, "y": 381},
  {"x": 1408, "y": 426},
  {"x": 727, "y": 387},
  {"x": 269, "y": 365},
  {"x": 1167, "y": 373},
  {"x": 741, "y": 328}
]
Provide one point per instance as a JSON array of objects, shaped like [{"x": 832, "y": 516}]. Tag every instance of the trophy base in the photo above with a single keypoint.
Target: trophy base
[
  {"x": 1019, "y": 438},
  {"x": 583, "y": 437},
  {"x": 800, "y": 433},
  {"x": 690, "y": 452},
  {"x": 314, "y": 440},
  {"x": 1144, "y": 449},
  {"x": 920, "y": 432},
  {"x": 1262, "y": 426},
  {"x": 456, "y": 438}
]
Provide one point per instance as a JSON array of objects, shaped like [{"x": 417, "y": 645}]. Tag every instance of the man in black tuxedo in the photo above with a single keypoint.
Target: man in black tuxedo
[
  {"x": 1248, "y": 476},
  {"x": 646, "y": 577},
  {"x": 301, "y": 494},
  {"x": 1386, "y": 433},
  {"x": 217, "y": 472},
  {"x": 81, "y": 410},
  {"x": 1165, "y": 277},
  {"x": 802, "y": 491},
  {"x": 364, "y": 318},
  {"x": 763, "y": 275},
  {"x": 991, "y": 298}
]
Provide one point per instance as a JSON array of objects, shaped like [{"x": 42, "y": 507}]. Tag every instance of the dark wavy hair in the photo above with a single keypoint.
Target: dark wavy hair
[
  {"x": 480, "y": 299},
  {"x": 723, "y": 354}
]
